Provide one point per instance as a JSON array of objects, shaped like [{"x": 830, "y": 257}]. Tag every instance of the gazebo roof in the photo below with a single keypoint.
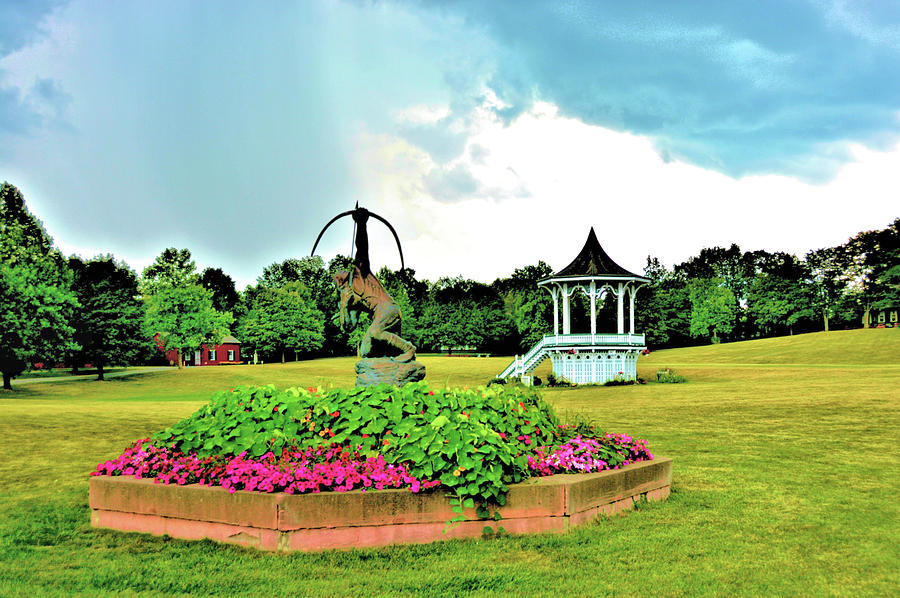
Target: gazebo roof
[{"x": 593, "y": 262}]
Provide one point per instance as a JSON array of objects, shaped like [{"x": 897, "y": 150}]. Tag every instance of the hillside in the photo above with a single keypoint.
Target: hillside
[{"x": 875, "y": 346}]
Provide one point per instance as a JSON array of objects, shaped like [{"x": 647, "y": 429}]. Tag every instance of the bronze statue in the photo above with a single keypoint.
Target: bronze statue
[{"x": 361, "y": 291}]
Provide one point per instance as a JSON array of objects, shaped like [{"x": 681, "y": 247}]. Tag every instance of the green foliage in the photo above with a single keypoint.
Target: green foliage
[
  {"x": 108, "y": 322},
  {"x": 713, "y": 307},
  {"x": 463, "y": 312},
  {"x": 184, "y": 317},
  {"x": 667, "y": 376},
  {"x": 224, "y": 295},
  {"x": 171, "y": 268},
  {"x": 778, "y": 298},
  {"x": 474, "y": 441},
  {"x": 283, "y": 319},
  {"x": 36, "y": 300},
  {"x": 557, "y": 381},
  {"x": 178, "y": 309}
]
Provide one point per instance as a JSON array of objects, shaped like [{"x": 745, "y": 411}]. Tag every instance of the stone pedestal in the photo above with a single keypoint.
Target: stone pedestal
[{"x": 384, "y": 370}]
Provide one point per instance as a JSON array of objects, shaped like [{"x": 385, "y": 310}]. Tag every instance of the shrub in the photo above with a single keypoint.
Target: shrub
[
  {"x": 557, "y": 381},
  {"x": 619, "y": 380},
  {"x": 668, "y": 376}
]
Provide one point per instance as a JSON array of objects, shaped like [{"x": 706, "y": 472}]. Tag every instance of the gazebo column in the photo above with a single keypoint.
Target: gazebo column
[
  {"x": 555, "y": 293},
  {"x": 631, "y": 317},
  {"x": 566, "y": 323},
  {"x": 621, "y": 305},
  {"x": 593, "y": 308}
]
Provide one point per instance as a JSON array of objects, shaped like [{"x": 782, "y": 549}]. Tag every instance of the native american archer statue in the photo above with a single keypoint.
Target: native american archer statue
[{"x": 362, "y": 292}]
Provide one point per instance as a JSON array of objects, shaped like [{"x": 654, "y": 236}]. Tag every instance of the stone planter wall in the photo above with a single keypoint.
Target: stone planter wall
[{"x": 360, "y": 519}]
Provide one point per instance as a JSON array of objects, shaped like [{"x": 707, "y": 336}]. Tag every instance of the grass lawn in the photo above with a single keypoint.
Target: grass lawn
[{"x": 785, "y": 483}]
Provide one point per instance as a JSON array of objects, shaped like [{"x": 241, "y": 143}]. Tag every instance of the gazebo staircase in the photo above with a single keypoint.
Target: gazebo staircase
[{"x": 523, "y": 366}]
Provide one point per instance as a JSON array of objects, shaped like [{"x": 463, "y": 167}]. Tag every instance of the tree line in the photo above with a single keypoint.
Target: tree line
[{"x": 55, "y": 309}]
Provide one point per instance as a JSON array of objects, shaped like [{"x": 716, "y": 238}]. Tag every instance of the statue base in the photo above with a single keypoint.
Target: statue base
[{"x": 384, "y": 370}]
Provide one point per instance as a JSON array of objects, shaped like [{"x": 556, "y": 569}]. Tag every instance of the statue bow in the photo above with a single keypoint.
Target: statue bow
[{"x": 360, "y": 215}]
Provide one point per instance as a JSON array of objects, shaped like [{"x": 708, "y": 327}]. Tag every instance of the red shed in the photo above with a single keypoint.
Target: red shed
[{"x": 226, "y": 352}]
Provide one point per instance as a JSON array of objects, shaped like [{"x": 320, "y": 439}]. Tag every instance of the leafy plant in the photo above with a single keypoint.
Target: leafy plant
[
  {"x": 667, "y": 376},
  {"x": 474, "y": 442}
]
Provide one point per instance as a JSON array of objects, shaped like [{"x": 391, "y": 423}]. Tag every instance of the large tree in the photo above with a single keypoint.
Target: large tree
[
  {"x": 319, "y": 281},
  {"x": 283, "y": 319},
  {"x": 225, "y": 297},
  {"x": 529, "y": 307},
  {"x": 108, "y": 321},
  {"x": 171, "y": 268},
  {"x": 712, "y": 308},
  {"x": 178, "y": 309},
  {"x": 869, "y": 260},
  {"x": 663, "y": 307},
  {"x": 464, "y": 312},
  {"x": 36, "y": 300},
  {"x": 780, "y": 295}
]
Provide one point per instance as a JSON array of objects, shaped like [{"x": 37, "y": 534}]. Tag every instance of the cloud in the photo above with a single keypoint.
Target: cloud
[
  {"x": 20, "y": 22},
  {"x": 721, "y": 86},
  {"x": 579, "y": 175}
]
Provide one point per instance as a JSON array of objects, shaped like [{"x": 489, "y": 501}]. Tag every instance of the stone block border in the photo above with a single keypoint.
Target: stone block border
[{"x": 357, "y": 519}]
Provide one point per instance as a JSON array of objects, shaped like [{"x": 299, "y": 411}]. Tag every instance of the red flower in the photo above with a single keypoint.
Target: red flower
[
  {"x": 430, "y": 392},
  {"x": 276, "y": 408}
]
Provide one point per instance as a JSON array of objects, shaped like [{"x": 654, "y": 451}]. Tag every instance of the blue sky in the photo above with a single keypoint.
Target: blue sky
[{"x": 492, "y": 134}]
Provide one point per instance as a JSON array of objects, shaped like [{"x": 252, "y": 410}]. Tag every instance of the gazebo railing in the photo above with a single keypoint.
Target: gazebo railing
[{"x": 556, "y": 340}]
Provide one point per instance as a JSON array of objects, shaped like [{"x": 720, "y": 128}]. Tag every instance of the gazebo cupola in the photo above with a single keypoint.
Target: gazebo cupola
[{"x": 598, "y": 356}]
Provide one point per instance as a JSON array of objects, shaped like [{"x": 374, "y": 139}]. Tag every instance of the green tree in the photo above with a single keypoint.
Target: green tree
[
  {"x": 780, "y": 296},
  {"x": 283, "y": 319},
  {"x": 528, "y": 306},
  {"x": 663, "y": 307},
  {"x": 319, "y": 281},
  {"x": 225, "y": 297},
  {"x": 108, "y": 321},
  {"x": 184, "y": 318},
  {"x": 712, "y": 308},
  {"x": 464, "y": 312},
  {"x": 178, "y": 309},
  {"x": 36, "y": 300},
  {"x": 870, "y": 258},
  {"x": 825, "y": 277},
  {"x": 172, "y": 267}
]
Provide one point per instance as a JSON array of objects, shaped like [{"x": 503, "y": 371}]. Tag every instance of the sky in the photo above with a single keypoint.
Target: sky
[{"x": 490, "y": 134}]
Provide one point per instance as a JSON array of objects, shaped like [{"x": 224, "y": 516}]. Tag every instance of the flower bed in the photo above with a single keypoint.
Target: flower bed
[
  {"x": 279, "y": 521},
  {"x": 473, "y": 444}
]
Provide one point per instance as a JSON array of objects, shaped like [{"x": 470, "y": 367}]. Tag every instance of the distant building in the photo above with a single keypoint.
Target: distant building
[
  {"x": 886, "y": 317},
  {"x": 226, "y": 352}
]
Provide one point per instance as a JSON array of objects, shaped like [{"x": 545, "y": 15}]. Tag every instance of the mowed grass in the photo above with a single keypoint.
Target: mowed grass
[{"x": 785, "y": 483}]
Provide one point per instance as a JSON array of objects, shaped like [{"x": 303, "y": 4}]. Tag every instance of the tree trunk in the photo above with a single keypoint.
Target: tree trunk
[
  {"x": 296, "y": 358},
  {"x": 825, "y": 317},
  {"x": 7, "y": 381},
  {"x": 99, "y": 370},
  {"x": 179, "y": 361},
  {"x": 75, "y": 367},
  {"x": 866, "y": 318},
  {"x": 282, "y": 356}
]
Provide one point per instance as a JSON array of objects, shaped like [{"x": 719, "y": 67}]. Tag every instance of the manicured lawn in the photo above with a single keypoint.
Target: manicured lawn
[{"x": 784, "y": 483}]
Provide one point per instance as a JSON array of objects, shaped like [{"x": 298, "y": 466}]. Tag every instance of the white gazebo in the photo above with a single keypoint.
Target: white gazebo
[{"x": 587, "y": 358}]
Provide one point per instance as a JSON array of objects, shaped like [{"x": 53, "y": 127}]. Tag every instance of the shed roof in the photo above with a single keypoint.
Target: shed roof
[
  {"x": 593, "y": 261},
  {"x": 230, "y": 339}
]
